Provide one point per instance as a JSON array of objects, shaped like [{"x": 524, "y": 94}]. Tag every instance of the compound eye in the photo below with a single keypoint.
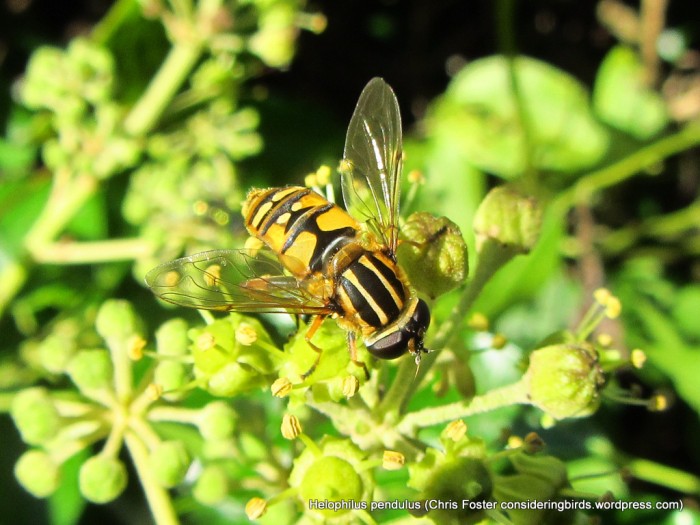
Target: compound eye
[
  {"x": 391, "y": 346},
  {"x": 421, "y": 317}
]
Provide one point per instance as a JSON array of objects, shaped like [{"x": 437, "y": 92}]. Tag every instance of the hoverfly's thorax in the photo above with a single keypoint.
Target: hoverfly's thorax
[{"x": 300, "y": 225}]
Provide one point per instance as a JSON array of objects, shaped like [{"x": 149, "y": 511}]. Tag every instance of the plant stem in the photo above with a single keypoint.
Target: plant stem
[
  {"x": 500, "y": 397},
  {"x": 172, "y": 73},
  {"x": 159, "y": 500},
  {"x": 505, "y": 33},
  {"x": 672, "y": 478},
  {"x": 491, "y": 258},
  {"x": 92, "y": 252},
  {"x": 629, "y": 166}
]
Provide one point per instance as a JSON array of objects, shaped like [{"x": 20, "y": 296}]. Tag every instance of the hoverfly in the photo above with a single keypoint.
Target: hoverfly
[{"x": 315, "y": 257}]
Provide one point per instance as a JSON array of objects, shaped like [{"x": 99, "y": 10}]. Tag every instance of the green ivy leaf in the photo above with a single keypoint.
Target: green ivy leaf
[
  {"x": 623, "y": 100},
  {"x": 480, "y": 112}
]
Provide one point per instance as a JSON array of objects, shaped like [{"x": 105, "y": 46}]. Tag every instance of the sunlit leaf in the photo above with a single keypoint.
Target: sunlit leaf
[
  {"x": 622, "y": 99},
  {"x": 479, "y": 110}
]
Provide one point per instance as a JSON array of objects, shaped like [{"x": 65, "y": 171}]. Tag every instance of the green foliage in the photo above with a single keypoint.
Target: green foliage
[{"x": 138, "y": 143}]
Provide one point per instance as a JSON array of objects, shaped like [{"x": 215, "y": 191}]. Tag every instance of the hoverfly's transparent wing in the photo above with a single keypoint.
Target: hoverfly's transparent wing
[
  {"x": 236, "y": 280},
  {"x": 372, "y": 159}
]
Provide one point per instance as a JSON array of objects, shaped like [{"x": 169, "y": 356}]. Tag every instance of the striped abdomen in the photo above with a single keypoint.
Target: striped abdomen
[
  {"x": 371, "y": 293},
  {"x": 299, "y": 223}
]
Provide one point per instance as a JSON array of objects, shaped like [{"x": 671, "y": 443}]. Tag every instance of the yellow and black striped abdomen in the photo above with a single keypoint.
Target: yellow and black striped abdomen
[
  {"x": 371, "y": 291},
  {"x": 299, "y": 223}
]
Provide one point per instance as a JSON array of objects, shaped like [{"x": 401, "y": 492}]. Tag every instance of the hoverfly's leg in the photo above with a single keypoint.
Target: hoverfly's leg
[
  {"x": 309, "y": 334},
  {"x": 352, "y": 348}
]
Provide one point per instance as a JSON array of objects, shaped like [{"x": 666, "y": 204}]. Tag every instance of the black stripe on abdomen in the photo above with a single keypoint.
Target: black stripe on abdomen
[{"x": 365, "y": 283}]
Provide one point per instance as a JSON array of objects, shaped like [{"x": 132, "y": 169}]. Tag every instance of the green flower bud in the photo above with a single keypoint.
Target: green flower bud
[
  {"x": 116, "y": 319},
  {"x": 434, "y": 254},
  {"x": 336, "y": 474},
  {"x": 332, "y": 365},
  {"x": 91, "y": 369},
  {"x": 564, "y": 380},
  {"x": 102, "y": 479},
  {"x": 237, "y": 340},
  {"x": 538, "y": 478},
  {"x": 274, "y": 40},
  {"x": 171, "y": 375},
  {"x": 457, "y": 479},
  {"x": 217, "y": 421},
  {"x": 37, "y": 473},
  {"x": 54, "y": 353},
  {"x": 35, "y": 415},
  {"x": 171, "y": 338},
  {"x": 211, "y": 486},
  {"x": 233, "y": 379},
  {"x": 508, "y": 219},
  {"x": 331, "y": 479},
  {"x": 170, "y": 461}
]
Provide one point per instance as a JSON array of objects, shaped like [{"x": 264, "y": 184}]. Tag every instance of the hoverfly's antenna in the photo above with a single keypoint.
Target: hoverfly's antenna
[{"x": 418, "y": 358}]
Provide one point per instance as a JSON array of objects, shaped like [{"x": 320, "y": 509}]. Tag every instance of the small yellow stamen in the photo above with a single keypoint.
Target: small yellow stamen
[
  {"x": 212, "y": 275},
  {"x": 281, "y": 387},
  {"x": 613, "y": 307},
  {"x": 638, "y": 358},
  {"x": 255, "y": 508},
  {"x": 605, "y": 340},
  {"x": 456, "y": 430},
  {"x": 323, "y": 175},
  {"x": 206, "y": 341},
  {"x": 601, "y": 295},
  {"x": 135, "y": 347},
  {"x": 658, "y": 403},
  {"x": 350, "y": 386},
  {"x": 154, "y": 391},
  {"x": 246, "y": 334},
  {"x": 291, "y": 427},
  {"x": 514, "y": 442},
  {"x": 499, "y": 341},
  {"x": 393, "y": 460},
  {"x": 311, "y": 180},
  {"x": 478, "y": 322}
]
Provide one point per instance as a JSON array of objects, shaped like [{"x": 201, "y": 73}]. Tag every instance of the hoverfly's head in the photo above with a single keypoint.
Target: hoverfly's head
[{"x": 408, "y": 337}]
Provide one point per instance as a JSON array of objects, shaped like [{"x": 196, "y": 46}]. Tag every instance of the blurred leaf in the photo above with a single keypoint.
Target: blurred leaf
[
  {"x": 522, "y": 277},
  {"x": 686, "y": 308},
  {"x": 667, "y": 351},
  {"x": 20, "y": 204},
  {"x": 623, "y": 100},
  {"x": 15, "y": 160},
  {"x": 453, "y": 188},
  {"x": 67, "y": 504},
  {"x": 479, "y": 110}
]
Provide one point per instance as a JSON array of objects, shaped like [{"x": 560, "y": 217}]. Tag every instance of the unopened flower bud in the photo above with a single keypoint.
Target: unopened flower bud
[
  {"x": 91, "y": 369},
  {"x": 217, "y": 421},
  {"x": 211, "y": 486},
  {"x": 102, "y": 479},
  {"x": 565, "y": 380},
  {"x": 37, "y": 473},
  {"x": 170, "y": 461},
  {"x": 171, "y": 337},
  {"x": 433, "y": 254},
  {"x": 116, "y": 319},
  {"x": 508, "y": 219},
  {"x": 35, "y": 415}
]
